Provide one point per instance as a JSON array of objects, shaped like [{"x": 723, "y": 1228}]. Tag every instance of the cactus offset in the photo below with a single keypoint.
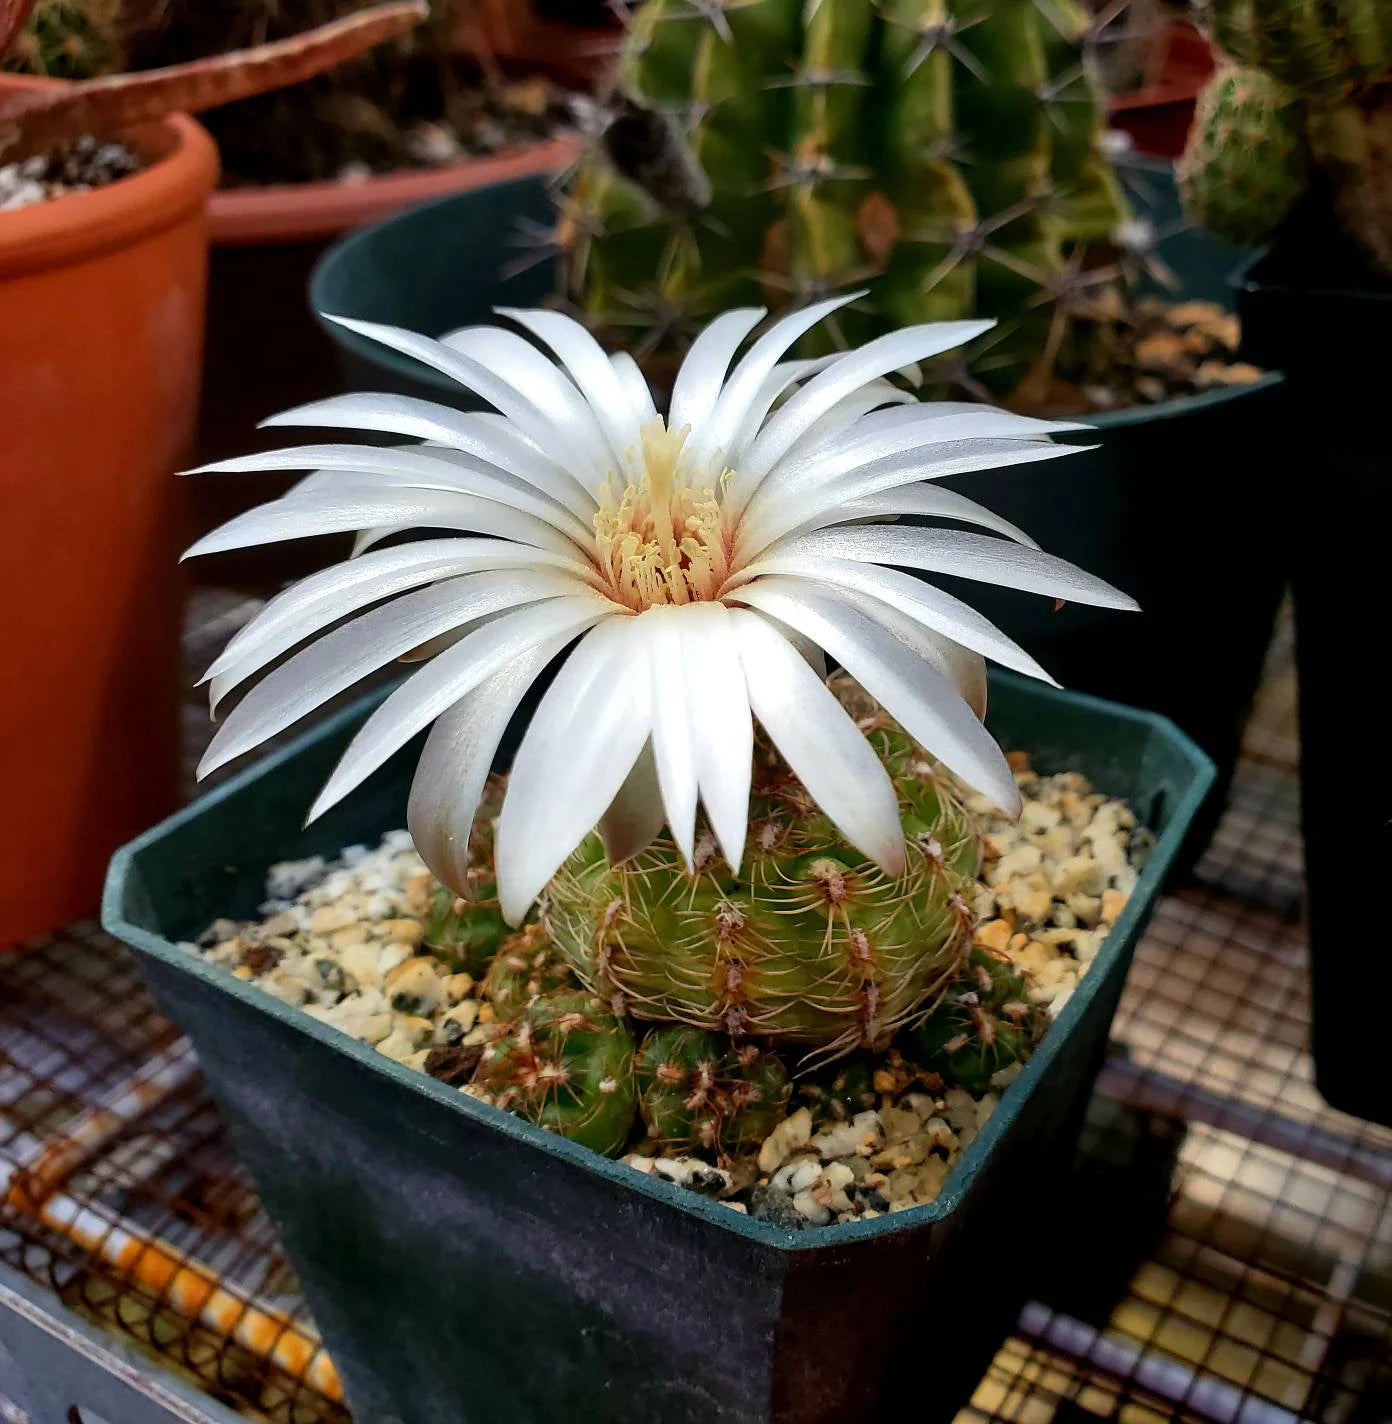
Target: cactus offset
[
  {"x": 697, "y": 1091},
  {"x": 526, "y": 966},
  {"x": 566, "y": 1064},
  {"x": 1312, "y": 96},
  {"x": 985, "y": 1022},
  {"x": 810, "y": 943},
  {"x": 944, "y": 153}
]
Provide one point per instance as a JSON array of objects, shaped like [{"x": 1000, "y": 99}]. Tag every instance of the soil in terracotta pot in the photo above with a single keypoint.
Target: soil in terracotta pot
[
  {"x": 75, "y": 168},
  {"x": 411, "y": 103},
  {"x": 346, "y": 941}
]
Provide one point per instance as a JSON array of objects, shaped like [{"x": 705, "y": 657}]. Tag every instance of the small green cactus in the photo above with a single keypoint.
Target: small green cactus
[
  {"x": 985, "y": 1022},
  {"x": 943, "y": 153},
  {"x": 697, "y": 1091},
  {"x": 466, "y": 934},
  {"x": 69, "y": 39},
  {"x": 1312, "y": 96},
  {"x": 526, "y": 966},
  {"x": 566, "y": 1064},
  {"x": 810, "y": 943}
]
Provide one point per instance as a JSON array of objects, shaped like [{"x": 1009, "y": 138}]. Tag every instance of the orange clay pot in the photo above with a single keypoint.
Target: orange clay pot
[{"x": 101, "y": 332}]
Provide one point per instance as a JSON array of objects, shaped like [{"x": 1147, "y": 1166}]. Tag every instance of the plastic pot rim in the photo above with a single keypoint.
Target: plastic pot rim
[{"x": 964, "y": 1172}]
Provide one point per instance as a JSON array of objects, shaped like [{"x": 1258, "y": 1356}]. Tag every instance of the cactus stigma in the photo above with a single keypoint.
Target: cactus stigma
[
  {"x": 1247, "y": 158},
  {"x": 944, "y": 154},
  {"x": 1313, "y": 97},
  {"x": 527, "y": 966},
  {"x": 985, "y": 1022},
  {"x": 695, "y": 1090},
  {"x": 566, "y": 1064},
  {"x": 809, "y": 943}
]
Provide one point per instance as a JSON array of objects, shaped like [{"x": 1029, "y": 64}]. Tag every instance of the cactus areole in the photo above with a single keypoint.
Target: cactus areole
[
  {"x": 699, "y": 567},
  {"x": 947, "y": 154},
  {"x": 1308, "y": 99}
]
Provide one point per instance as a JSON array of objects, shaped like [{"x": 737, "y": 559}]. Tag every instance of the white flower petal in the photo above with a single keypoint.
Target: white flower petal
[
  {"x": 913, "y": 597},
  {"x": 702, "y": 373},
  {"x": 478, "y": 433},
  {"x": 961, "y": 555},
  {"x": 774, "y": 515},
  {"x": 924, "y": 500},
  {"x": 382, "y": 512},
  {"x": 323, "y": 598},
  {"x": 821, "y": 743},
  {"x": 631, "y": 378},
  {"x": 593, "y": 373},
  {"x": 634, "y": 817},
  {"x": 673, "y": 739},
  {"x": 915, "y": 694},
  {"x": 843, "y": 419},
  {"x": 412, "y": 466},
  {"x": 455, "y": 764},
  {"x": 481, "y": 654},
  {"x": 964, "y": 669},
  {"x": 344, "y": 656},
  {"x": 724, "y": 430},
  {"x": 582, "y": 743},
  {"x": 867, "y": 363},
  {"x": 722, "y": 731}
]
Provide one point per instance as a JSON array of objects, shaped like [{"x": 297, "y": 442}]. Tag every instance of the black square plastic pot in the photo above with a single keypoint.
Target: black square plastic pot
[
  {"x": 1167, "y": 506},
  {"x": 1332, "y": 483},
  {"x": 464, "y": 1265}
]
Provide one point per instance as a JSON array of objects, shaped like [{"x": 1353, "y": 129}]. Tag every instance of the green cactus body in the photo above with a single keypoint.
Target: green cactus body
[
  {"x": 809, "y": 943},
  {"x": 466, "y": 934},
  {"x": 1313, "y": 95},
  {"x": 696, "y": 1091},
  {"x": 1246, "y": 161},
  {"x": 526, "y": 966},
  {"x": 69, "y": 39},
  {"x": 944, "y": 153},
  {"x": 985, "y": 1022},
  {"x": 566, "y": 1064}
]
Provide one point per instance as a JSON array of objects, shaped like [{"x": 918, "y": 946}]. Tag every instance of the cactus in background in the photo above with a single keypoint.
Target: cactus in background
[
  {"x": 985, "y": 1022},
  {"x": 68, "y": 39},
  {"x": 1312, "y": 96},
  {"x": 697, "y": 1091},
  {"x": 943, "y": 153},
  {"x": 810, "y": 943},
  {"x": 566, "y": 1064},
  {"x": 527, "y": 966},
  {"x": 468, "y": 932}
]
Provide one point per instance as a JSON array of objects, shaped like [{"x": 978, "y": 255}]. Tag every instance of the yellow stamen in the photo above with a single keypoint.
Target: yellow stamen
[{"x": 663, "y": 540}]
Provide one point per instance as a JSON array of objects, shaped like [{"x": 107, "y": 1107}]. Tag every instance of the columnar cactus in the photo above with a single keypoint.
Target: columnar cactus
[
  {"x": 985, "y": 1022},
  {"x": 698, "y": 1091},
  {"x": 943, "y": 153},
  {"x": 565, "y": 1064},
  {"x": 1311, "y": 95},
  {"x": 810, "y": 942}
]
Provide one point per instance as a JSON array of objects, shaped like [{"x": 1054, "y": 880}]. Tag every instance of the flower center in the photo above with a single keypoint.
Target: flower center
[{"x": 662, "y": 540}]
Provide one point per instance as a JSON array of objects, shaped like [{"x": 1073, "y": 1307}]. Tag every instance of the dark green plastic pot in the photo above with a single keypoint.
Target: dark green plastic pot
[
  {"x": 1168, "y": 507},
  {"x": 466, "y": 1266},
  {"x": 1332, "y": 482}
]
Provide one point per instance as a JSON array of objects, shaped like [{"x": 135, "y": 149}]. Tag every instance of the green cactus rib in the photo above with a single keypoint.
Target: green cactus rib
[
  {"x": 565, "y": 1064},
  {"x": 984, "y": 1023},
  {"x": 809, "y": 943},
  {"x": 944, "y": 153},
  {"x": 698, "y": 1092}
]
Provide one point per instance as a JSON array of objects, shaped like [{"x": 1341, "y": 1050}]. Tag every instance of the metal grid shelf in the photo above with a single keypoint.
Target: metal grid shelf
[{"x": 1229, "y": 1260}]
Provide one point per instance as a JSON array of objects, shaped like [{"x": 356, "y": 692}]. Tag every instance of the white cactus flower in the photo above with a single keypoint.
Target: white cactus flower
[{"x": 700, "y": 566}]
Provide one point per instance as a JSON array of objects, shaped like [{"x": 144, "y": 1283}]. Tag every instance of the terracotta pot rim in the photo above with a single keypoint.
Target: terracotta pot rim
[
  {"x": 183, "y": 168},
  {"x": 307, "y": 212}
]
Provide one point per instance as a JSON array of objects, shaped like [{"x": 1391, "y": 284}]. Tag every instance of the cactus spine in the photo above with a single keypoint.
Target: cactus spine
[
  {"x": 809, "y": 943},
  {"x": 942, "y": 152},
  {"x": 1312, "y": 95},
  {"x": 697, "y": 1091}
]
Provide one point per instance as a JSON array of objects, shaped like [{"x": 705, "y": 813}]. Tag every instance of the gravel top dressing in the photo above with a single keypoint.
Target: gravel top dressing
[
  {"x": 83, "y": 164},
  {"x": 345, "y": 941}
]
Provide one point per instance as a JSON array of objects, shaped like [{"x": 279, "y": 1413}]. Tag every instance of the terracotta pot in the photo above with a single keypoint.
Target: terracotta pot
[
  {"x": 265, "y": 351},
  {"x": 1157, "y": 116},
  {"x": 101, "y": 330}
]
